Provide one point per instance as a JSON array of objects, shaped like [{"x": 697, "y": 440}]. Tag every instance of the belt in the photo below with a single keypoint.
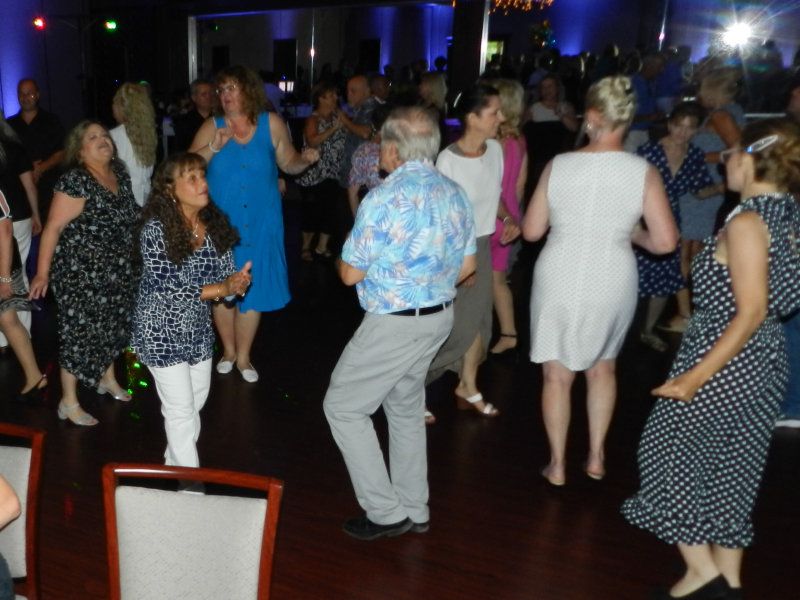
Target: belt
[{"x": 418, "y": 312}]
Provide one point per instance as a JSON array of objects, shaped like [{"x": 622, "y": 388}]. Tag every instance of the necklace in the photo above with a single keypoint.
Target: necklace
[
  {"x": 236, "y": 135},
  {"x": 194, "y": 229}
]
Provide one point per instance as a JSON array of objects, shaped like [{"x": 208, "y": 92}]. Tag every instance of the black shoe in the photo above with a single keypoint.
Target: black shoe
[
  {"x": 420, "y": 527},
  {"x": 716, "y": 589},
  {"x": 34, "y": 394},
  {"x": 362, "y": 528}
]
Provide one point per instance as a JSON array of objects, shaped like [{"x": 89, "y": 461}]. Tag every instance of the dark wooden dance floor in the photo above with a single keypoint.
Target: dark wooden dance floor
[{"x": 497, "y": 532}]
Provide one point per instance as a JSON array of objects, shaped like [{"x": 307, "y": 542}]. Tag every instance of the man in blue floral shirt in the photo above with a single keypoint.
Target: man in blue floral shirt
[{"x": 412, "y": 242}]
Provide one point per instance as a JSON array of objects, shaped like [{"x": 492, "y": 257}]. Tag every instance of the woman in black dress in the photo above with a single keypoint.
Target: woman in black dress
[
  {"x": 705, "y": 444},
  {"x": 86, "y": 249}
]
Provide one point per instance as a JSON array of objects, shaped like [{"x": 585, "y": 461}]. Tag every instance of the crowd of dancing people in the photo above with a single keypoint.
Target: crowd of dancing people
[{"x": 644, "y": 196}]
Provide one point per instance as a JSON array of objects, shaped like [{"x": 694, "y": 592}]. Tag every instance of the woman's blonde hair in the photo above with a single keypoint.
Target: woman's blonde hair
[
  {"x": 614, "y": 98},
  {"x": 511, "y": 104},
  {"x": 434, "y": 82},
  {"x": 139, "y": 118},
  {"x": 722, "y": 82}
]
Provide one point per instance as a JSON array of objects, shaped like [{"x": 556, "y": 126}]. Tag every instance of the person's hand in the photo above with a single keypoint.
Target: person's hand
[
  {"x": 310, "y": 155},
  {"x": 683, "y": 387},
  {"x": 36, "y": 225},
  {"x": 39, "y": 286},
  {"x": 37, "y": 170},
  {"x": 511, "y": 231},
  {"x": 5, "y": 291},
  {"x": 469, "y": 281},
  {"x": 221, "y": 137},
  {"x": 240, "y": 281}
]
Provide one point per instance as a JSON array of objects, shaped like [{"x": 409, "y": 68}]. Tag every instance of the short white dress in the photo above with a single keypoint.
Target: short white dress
[{"x": 585, "y": 281}]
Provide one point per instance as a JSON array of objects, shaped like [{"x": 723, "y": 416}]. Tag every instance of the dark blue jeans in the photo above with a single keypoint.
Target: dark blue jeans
[
  {"x": 791, "y": 402},
  {"x": 6, "y": 584}
]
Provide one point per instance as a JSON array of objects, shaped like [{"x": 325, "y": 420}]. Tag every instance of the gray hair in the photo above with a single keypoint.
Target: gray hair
[
  {"x": 197, "y": 83},
  {"x": 414, "y": 131}
]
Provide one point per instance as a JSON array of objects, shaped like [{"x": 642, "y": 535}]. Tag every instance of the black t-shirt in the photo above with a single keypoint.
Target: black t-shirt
[
  {"x": 16, "y": 163},
  {"x": 186, "y": 127},
  {"x": 42, "y": 137}
]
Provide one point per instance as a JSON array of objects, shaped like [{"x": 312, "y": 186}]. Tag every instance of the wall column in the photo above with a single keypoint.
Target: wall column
[{"x": 470, "y": 38}]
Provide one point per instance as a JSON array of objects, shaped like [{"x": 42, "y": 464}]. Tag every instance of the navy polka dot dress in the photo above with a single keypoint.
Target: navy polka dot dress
[
  {"x": 660, "y": 275},
  {"x": 700, "y": 463}
]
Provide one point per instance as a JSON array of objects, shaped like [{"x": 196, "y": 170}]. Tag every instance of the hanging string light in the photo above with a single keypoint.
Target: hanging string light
[
  {"x": 524, "y": 5},
  {"x": 508, "y": 5}
]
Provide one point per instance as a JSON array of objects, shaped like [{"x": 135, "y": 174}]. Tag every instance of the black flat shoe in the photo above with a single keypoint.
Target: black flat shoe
[
  {"x": 35, "y": 393},
  {"x": 362, "y": 528},
  {"x": 716, "y": 589}
]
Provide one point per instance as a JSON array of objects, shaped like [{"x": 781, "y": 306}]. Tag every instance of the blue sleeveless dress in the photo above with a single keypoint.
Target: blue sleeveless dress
[{"x": 243, "y": 180}]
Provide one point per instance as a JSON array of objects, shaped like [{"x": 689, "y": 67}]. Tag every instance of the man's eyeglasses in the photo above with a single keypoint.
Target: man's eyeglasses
[
  {"x": 231, "y": 87},
  {"x": 756, "y": 146}
]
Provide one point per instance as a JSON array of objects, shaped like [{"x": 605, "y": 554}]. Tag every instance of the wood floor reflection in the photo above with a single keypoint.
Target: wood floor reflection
[{"x": 497, "y": 532}]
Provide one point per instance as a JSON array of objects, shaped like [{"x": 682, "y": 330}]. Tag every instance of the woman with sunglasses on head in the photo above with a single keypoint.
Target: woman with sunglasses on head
[
  {"x": 244, "y": 146},
  {"x": 703, "y": 450}
]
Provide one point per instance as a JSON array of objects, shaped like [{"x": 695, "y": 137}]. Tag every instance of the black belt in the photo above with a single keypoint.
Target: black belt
[{"x": 428, "y": 310}]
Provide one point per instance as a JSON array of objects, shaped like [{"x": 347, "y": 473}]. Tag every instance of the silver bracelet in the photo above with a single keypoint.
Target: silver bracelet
[
  {"x": 210, "y": 147},
  {"x": 6, "y": 279}
]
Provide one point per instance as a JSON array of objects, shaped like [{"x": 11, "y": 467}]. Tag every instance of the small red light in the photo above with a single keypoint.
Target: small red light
[{"x": 39, "y": 23}]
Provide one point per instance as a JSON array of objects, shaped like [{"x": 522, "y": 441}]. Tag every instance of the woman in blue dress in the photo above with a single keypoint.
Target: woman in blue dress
[
  {"x": 720, "y": 130},
  {"x": 682, "y": 167},
  {"x": 242, "y": 145}
]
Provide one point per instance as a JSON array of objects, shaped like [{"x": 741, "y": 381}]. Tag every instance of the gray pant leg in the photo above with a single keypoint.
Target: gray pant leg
[
  {"x": 381, "y": 353},
  {"x": 404, "y": 408}
]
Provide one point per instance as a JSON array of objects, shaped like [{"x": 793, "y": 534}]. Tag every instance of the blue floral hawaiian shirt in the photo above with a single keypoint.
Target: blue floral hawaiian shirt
[{"x": 410, "y": 237}]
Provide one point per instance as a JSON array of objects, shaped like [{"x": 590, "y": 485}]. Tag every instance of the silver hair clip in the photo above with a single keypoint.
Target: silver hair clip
[{"x": 762, "y": 144}]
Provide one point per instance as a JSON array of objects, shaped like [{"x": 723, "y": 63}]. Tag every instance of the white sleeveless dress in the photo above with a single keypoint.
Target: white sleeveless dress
[{"x": 585, "y": 280}]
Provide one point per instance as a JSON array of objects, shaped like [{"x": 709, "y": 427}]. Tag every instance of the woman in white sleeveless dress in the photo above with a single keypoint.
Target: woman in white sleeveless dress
[{"x": 585, "y": 280}]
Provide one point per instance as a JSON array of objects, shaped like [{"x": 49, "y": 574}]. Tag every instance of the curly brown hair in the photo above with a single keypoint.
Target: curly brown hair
[
  {"x": 254, "y": 102},
  {"x": 162, "y": 206},
  {"x": 778, "y": 163}
]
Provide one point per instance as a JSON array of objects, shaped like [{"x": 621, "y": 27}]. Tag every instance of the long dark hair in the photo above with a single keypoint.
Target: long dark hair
[
  {"x": 162, "y": 206},
  {"x": 473, "y": 100}
]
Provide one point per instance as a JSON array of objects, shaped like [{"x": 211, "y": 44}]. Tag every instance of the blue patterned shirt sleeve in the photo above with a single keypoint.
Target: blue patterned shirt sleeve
[
  {"x": 171, "y": 324},
  {"x": 410, "y": 237},
  {"x": 162, "y": 272}
]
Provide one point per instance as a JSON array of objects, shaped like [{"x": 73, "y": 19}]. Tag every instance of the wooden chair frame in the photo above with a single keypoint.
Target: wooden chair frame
[
  {"x": 30, "y": 587},
  {"x": 273, "y": 488}
]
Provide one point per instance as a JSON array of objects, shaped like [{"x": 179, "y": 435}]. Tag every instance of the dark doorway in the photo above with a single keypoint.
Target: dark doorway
[{"x": 284, "y": 58}]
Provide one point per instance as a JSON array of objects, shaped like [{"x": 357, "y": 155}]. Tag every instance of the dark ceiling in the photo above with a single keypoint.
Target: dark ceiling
[{"x": 199, "y": 7}]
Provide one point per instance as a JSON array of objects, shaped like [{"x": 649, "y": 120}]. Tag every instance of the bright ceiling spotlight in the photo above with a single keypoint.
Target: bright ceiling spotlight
[{"x": 737, "y": 34}]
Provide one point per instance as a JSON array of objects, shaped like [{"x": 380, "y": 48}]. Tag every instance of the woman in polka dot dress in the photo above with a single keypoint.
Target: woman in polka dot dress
[
  {"x": 683, "y": 169},
  {"x": 704, "y": 447}
]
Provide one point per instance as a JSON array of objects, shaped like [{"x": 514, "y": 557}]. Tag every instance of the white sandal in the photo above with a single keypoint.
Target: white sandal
[{"x": 469, "y": 403}]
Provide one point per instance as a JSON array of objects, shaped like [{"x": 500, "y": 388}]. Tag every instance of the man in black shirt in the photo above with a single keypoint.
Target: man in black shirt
[
  {"x": 42, "y": 136},
  {"x": 186, "y": 126}
]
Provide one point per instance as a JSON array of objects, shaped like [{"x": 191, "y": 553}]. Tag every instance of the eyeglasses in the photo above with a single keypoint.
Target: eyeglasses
[
  {"x": 756, "y": 146},
  {"x": 231, "y": 87}
]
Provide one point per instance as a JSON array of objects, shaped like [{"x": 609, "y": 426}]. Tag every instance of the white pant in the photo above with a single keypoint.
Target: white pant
[
  {"x": 183, "y": 390},
  {"x": 22, "y": 233}
]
